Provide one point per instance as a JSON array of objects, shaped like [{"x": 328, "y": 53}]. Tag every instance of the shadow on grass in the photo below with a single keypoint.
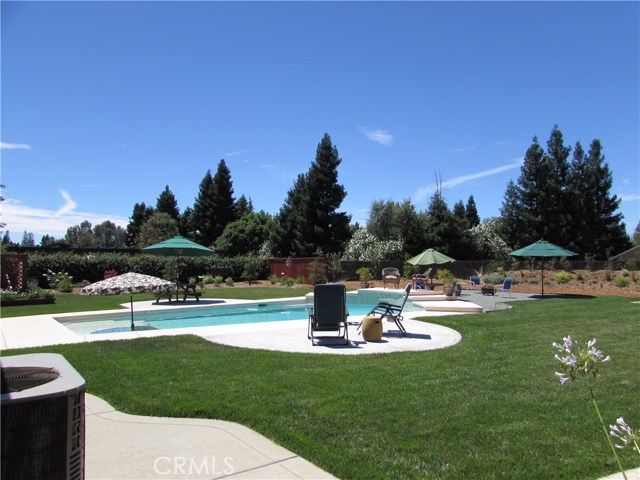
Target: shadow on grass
[{"x": 566, "y": 296}]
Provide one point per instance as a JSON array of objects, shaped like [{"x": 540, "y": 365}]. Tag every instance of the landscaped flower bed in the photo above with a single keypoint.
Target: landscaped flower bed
[{"x": 35, "y": 296}]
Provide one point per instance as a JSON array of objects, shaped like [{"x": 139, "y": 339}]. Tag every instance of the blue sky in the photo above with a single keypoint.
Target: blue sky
[{"x": 105, "y": 103}]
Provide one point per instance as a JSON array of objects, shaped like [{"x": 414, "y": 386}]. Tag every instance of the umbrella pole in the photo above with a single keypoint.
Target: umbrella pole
[
  {"x": 133, "y": 327},
  {"x": 542, "y": 261}
]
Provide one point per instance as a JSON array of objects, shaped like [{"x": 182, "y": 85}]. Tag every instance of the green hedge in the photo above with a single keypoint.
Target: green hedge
[{"x": 91, "y": 267}]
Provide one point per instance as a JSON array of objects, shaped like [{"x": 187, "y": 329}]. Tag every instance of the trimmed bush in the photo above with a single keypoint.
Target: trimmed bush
[
  {"x": 91, "y": 267},
  {"x": 563, "y": 277}
]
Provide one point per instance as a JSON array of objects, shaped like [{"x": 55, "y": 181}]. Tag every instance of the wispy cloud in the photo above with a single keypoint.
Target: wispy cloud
[
  {"x": 236, "y": 153},
  {"x": 381, "y": 136},
  {"x": 464, "y": 149},
  {"x": 14, "y": 146},
  {"x": 424, "y": 192},
  {"x": 629, "y": 197},
  {"x": 69, "y": 204},
  {"x": 40, "y": 221}
]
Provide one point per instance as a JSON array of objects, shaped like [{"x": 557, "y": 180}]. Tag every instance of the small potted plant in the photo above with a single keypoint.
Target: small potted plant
[
  {"x": 448, "y": 281},
  {"x": 365, "y": 276}
]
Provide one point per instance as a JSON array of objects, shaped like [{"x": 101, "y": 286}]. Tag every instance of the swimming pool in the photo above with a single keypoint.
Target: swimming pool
[{"x": 259, "y": 312}]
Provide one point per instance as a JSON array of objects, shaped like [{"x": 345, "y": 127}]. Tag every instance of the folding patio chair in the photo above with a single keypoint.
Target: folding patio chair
[
  {"x": 329, "y": 312},
  {"x": 393, "y": 313}
]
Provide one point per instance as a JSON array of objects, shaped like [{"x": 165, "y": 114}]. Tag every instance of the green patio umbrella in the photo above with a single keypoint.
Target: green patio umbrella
[
  {"x": 178, "y": 247},
  {"x": 430, "y": 257},
  {"x": 542, "y": 249}
]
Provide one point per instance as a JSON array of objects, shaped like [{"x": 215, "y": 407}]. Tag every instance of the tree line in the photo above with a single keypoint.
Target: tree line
[{"x": 565, "y": 202}]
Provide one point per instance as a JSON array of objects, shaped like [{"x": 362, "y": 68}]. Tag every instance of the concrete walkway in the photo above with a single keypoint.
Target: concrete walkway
[{"x": 128, "y": 447}]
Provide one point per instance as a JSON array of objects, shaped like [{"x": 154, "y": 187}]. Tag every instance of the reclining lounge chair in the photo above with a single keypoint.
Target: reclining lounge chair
[
  {"x": 329, "y": 312},
  {"x": 393, "y": 313}
]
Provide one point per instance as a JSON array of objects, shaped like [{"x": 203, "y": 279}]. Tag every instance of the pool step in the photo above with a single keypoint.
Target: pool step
[{"x": 442, "y": 304}]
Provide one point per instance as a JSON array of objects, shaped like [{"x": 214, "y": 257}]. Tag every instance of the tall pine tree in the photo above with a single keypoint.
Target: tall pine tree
[
  {"x": 223, "y": 201},
  {"x": 309, "y": 222},
  {"x": 168, "y": 204},
  {"x": 598, "y": 229},
  {"x": 141, "y": 213},
  {"x": 203, "y": 212}
]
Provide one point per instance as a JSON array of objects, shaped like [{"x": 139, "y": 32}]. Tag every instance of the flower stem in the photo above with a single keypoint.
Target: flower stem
[{"x": 606, "y": 433}]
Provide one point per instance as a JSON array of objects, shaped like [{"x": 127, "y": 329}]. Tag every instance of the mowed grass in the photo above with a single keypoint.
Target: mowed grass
[{"x": 487, "y": 408}]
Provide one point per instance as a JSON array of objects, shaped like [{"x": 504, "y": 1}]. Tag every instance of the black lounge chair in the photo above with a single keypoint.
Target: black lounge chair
[
  {"x": 393, "y": 313},
  {"x": 329, "y": 312}
]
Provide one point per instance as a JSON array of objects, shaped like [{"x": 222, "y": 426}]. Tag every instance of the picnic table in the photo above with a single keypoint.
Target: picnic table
[
  {"x": 189, "y": 290},
  {"x": 186, "y": 289}
]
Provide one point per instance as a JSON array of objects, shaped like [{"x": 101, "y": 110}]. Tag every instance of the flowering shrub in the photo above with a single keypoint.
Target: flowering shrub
[
  {"x": 365, "y": 247},
  {"x": 61, "y": 281},
  {"x": 31, "y": 294},
  {"x": 487, "y": 241}
]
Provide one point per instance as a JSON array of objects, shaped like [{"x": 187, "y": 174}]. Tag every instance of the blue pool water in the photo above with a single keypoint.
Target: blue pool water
[{"x": 215, "y": 315}]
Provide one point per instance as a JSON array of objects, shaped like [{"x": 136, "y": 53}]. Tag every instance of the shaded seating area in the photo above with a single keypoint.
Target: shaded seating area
[
  {"x": 391, "y": 276},
  {"x": 329, "y": 313},
  {"x": 392, "y": 312}
]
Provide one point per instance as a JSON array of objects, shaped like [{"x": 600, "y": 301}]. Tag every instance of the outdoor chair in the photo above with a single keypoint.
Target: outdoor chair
[
  {"x": 506, "y": 286},
  {"x": 393, "y": 313},
  {"x": 420, "y": 279},
  {"x": 329, "y": 312},
  {"x": 475, "y": 282},
  {"x": 392, "y": 276}
]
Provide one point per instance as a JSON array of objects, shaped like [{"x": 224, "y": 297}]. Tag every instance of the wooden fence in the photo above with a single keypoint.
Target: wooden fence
[{"x": 312, "y": 269}]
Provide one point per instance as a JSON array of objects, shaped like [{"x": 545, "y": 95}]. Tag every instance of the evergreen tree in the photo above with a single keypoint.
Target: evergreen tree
[
  {"x": 223, "y": 200},
  {"x": 214, "y": 206},
  {"x": 286, "y": 236},
  {"x": 141, "y": 213},
  {"x": 6, "y": 238},
  {"x": 308, "y": 221},
  {"x": 203, "y": 212},
  {"x": 445, "y": 232},
  {"x": 28, "y": 240},
  {"x": 525, "y": 207},
  {"x": 243, "y": 206},
  {"x": 471, "y": 212},
  {"x": 459, "y": 211},
  {"x": 598, "y": 229},
  {"x": 168, "y": 204},
  {"x": 556, "y": 197},
  {"x": 327, "y": 229},
  {"x": 185, "y": 224},
  {"x": 636, "y": 235}
]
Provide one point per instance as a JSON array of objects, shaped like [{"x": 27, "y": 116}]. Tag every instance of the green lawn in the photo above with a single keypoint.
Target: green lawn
[{"x": 487, "y": 408}]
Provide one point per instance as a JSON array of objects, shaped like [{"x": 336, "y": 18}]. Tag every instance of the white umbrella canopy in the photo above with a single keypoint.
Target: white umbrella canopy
[{"x": 128, "y": 283}]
